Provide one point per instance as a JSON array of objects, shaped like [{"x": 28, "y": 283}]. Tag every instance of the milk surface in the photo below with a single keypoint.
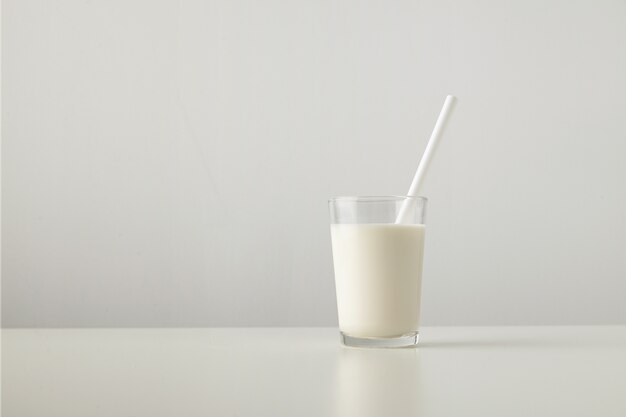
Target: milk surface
[{"x": 378, "y": 274}]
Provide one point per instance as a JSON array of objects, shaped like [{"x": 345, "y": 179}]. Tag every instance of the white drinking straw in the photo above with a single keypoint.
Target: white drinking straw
[{"x": 434, "y": 140}]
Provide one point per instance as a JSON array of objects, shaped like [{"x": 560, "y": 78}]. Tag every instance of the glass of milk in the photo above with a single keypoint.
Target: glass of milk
[{"x": 378, "y": 268}]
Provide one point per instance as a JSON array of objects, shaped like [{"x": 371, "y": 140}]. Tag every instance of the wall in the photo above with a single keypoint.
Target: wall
[{"x": 167, "y": 163}]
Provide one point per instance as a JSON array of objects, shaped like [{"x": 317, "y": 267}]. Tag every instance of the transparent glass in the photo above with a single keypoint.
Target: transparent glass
[{"x": 378, "y": 268}]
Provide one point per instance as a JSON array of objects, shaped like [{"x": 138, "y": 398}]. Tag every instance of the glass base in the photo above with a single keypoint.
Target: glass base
[{"x": 406, "y": 340}]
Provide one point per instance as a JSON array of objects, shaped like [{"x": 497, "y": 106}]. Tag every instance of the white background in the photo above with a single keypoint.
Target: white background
[{"x": 167, "y": 163}]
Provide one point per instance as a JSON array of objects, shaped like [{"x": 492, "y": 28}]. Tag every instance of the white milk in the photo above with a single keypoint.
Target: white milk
[{"x": 378, "y": 274}]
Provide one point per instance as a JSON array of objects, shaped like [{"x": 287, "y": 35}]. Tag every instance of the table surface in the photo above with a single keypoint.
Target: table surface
[{"x": 455, "y": 371}]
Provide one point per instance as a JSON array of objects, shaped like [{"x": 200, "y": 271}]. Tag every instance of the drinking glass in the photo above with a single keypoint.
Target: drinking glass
[{"x": 378, "y": 268}]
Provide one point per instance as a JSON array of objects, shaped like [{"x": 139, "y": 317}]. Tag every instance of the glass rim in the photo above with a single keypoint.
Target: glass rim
[{"x": 376, "y": 198}]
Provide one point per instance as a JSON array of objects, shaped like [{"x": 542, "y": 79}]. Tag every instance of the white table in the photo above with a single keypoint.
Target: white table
[{"x": 470, "y": 371}]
